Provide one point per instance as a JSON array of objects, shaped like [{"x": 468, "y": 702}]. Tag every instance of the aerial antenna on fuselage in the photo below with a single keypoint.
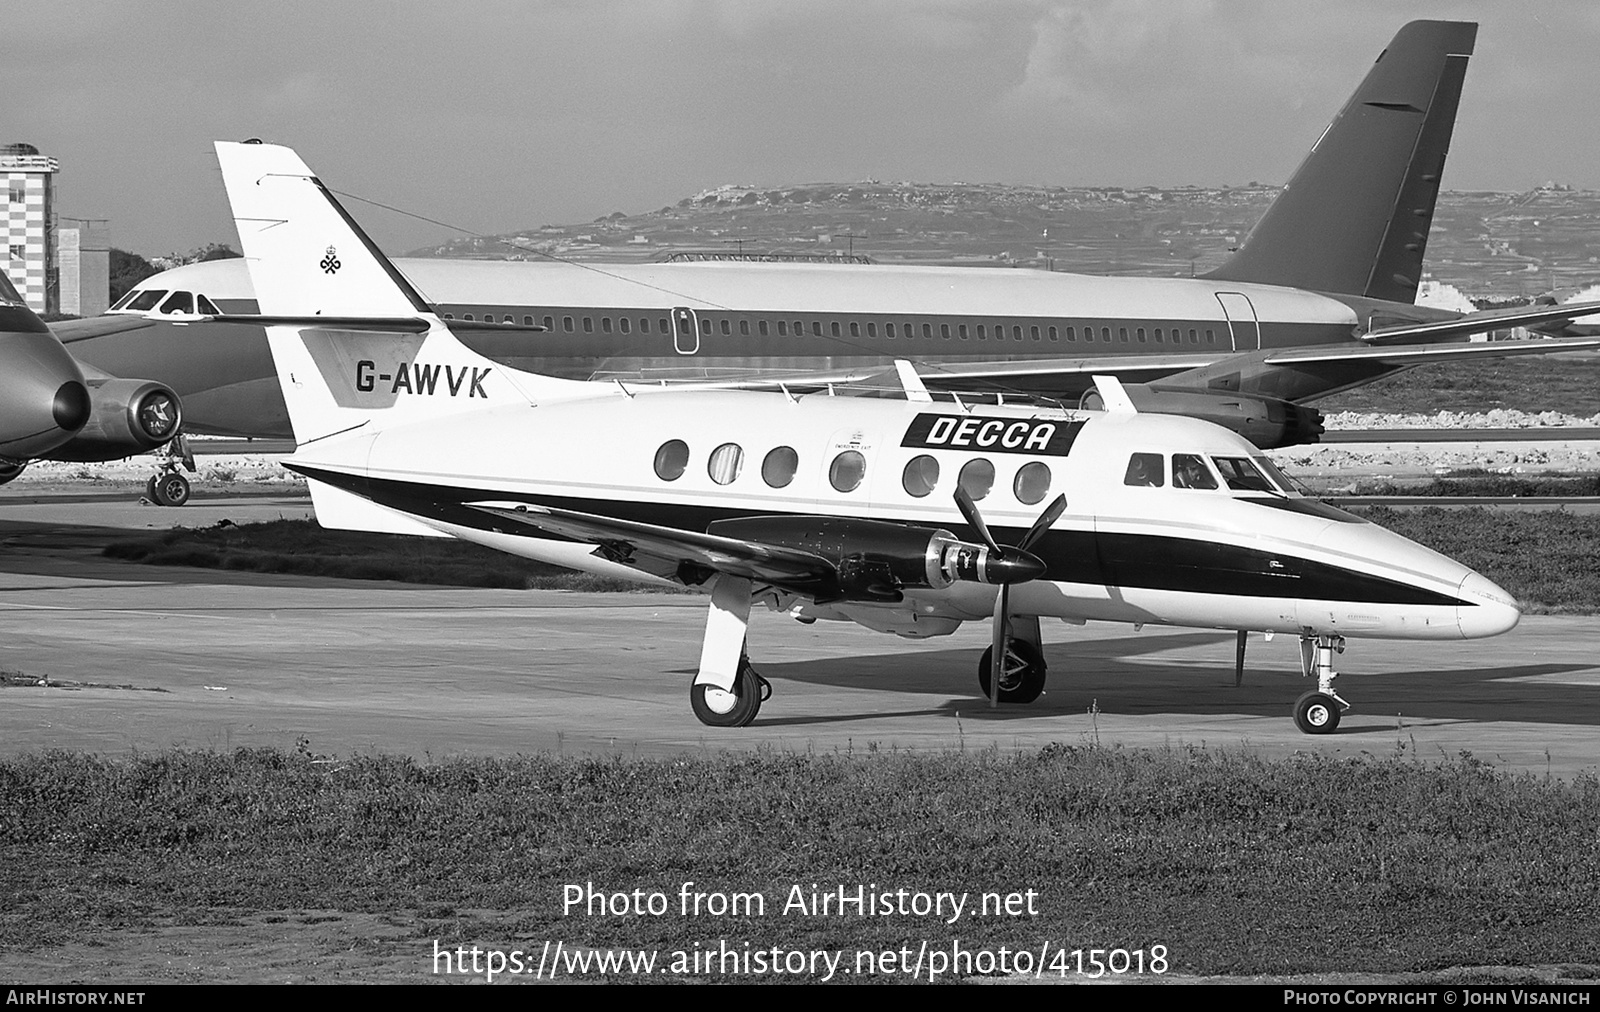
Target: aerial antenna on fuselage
[{"x": 1113, "y": 396}]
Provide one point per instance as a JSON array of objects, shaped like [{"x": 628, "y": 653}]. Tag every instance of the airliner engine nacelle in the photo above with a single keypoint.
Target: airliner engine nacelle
[
  {"x": 876, "y": 559},
  {"x": 127, "y": 416},
  {"x": 1266, "y": 421}
]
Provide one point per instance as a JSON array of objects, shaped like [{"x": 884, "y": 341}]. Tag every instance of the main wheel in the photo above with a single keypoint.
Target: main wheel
[
  {"x": 720, "y": 708},
  {"x": 1316, "y": 713},
  {"x": 171, "y": 489},
  {"x": 1021, "y": 676}
]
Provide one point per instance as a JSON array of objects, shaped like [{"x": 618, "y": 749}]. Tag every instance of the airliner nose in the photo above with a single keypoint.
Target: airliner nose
[
  {"x": 1486, "y": 610},
  {"x": 43, "y": 401}
]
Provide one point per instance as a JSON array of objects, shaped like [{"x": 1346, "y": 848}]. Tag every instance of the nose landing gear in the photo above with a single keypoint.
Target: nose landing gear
[{"x": 1318, "y": 712}]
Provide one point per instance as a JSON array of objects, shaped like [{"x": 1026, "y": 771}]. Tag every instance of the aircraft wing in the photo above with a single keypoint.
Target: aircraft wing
[
  {"x": 68, "y": 331},
  {"x": 1418, "y": 354},
  {"x": 1478, "y": 323},
  {"x": 666, "y": 551}
]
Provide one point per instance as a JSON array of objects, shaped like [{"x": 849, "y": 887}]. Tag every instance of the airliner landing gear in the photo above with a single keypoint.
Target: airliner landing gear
[
  {"x": 1318, "y": 712},
  {"x": 1022, "y": 670},
  {"x": 167, "y": 487}
]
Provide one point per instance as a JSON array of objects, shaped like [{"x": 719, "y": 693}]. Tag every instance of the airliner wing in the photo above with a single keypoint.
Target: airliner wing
[
  {"x": 1418, "y": 354},
  {"x": 1478, "y": 323}
]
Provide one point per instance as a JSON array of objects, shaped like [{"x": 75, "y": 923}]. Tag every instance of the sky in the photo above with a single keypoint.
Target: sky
[{"x": 493, "y": 115}]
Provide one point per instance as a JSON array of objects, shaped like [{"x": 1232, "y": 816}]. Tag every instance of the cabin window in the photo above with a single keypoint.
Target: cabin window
[
  {"x": 1034, "y": 331},
  {"x": 1146, "y": 469},
  {"x": 779, "y": 466},
  {"x": 1211, "y": 337},
  {"x": 527, "y": 321},
  {"x": 566, "y": 323},
  {"x": 944, "y": 331},
  {"x": 663, "y": 323},
  {"x": 920, "y": 476},
  {"x": 449, "y": 316},
  {"x": 977, "y": 477},
  {"x": 1122, "y": 334},
  {"x": 467, "y": 316},
  {"x": 549, "y": 323},
  {"x": 1105, "y": 334},
  {"x": 727, "y": 327},
  {"x": 888, "y": 330},
  {"x": 1016, "y": 332},
  {"x": 927, "y": 331},
  {"x": 1194, "y": 338},
  {"x": 847, "y": 470},
  {"x": 705, "y": 327},
  {"x": 1032, "y": 483},
  {"x": 855, "y": 329},
  {"x": 588, "y": 325},
  {"x": 724, "y": 463},
  {"x": 833, "y": 328},
  {"x": 872, "y": 329},
  {"x": 816, "y": 328},
  {"x": 605, "y": 324},
  {"x": 963, "y": 331},
  {"x": 783, "y": 328},
  {"x": 1158, "y": 335},
  {"x": 981, "y": 335},
  {"x": 1141, "y": 336},
  {"x": 508, "y": 318},
  {"x": 672, "y": 459},
  {"x": 623, "y": 321},
  {"x": 744, "y": 328},
  {"x": 1190, "y": 471},
  {"x": 644, "y": 325},
  {"x": 761, "y": 325},
  {"x": 799, "y": 328}
]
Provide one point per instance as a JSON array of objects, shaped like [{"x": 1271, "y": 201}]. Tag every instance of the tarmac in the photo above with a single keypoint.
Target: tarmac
[{"x": 115, "y": 658}]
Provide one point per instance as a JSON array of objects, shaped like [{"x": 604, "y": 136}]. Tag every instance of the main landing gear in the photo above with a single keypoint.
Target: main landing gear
[
  {"x": 722, "y": 708},
  {"x": 1022, "y": 669},
  {"x": 167, "y": 487},
  {"x": 726, "y": 691},
  {"x": 1318, "y": 712}
]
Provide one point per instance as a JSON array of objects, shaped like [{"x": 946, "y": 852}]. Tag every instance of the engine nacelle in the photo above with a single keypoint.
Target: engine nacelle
[
  {"x": 128, "y": 416},
  {"x": 875, "y": 559},
  {"x": 1266, "y": 421}
]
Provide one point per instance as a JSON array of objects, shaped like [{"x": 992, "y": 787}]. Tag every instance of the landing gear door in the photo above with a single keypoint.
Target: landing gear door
[
  {"x": 685, "y": 331},
  {"x": 1243, "y": 326}
]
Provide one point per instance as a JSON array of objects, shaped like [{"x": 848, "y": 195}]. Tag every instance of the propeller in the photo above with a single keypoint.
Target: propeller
[
  {"x": 1238, "y": 662},
  {"x": 1008, "y": 557}
]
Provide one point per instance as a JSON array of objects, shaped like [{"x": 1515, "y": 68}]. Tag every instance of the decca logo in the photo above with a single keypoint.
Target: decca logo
[{"x": 1004, "y": 435}]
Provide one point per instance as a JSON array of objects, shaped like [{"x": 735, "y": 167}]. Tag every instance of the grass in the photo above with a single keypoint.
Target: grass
[
  {"x": 1566, "y": 383},
  {"x": 1479, "y": 483},
  {"x": 1237, "y": 864}
]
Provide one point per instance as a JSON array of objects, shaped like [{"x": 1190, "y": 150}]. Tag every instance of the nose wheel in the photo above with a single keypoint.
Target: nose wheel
[{"x": 1318, "y": 712}]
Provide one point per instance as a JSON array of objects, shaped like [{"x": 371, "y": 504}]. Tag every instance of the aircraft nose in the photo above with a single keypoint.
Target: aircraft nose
[
  {"x": 1491, "y": 612},
  {"x": 43, "y": 400}
]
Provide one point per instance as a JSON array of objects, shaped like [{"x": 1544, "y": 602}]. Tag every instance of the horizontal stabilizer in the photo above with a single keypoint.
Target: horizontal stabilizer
[{"x": 1417, "y": 354}]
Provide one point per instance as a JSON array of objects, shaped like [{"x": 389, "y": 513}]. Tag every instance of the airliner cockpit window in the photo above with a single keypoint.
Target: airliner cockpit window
[
  {"x": 1277, "y": 477},
  {"x": 1189, "y": 470},
  {"x": 8, "y": 294},
  {"x": 147, "y": 300},
  {"x": 1242, "y": 475},
  {"x": 179, "y": 302},
  {"x": 1145, "y": 469},
  {"x": 206, "y": 306},
  {"x": 122, "y": 303}
]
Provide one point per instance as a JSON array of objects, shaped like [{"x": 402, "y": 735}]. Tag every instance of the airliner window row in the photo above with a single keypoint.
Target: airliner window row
[
  {"x": 849, "y": 468},
  {"x": 888, "y": 328}
]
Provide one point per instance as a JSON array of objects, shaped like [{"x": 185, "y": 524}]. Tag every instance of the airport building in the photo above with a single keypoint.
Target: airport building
[{"x": 58, "y": 266}]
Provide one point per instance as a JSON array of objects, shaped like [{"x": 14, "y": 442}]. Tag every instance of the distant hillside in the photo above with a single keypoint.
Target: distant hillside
[{"x": 1490, "y": 245}]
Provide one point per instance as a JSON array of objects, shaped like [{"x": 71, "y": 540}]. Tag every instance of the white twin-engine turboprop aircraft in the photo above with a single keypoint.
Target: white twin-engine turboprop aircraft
[{"x": 828, "y": 505}]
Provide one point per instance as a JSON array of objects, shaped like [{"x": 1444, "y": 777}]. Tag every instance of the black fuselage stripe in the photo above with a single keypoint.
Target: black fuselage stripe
[{"x": 1135, "y": 561}]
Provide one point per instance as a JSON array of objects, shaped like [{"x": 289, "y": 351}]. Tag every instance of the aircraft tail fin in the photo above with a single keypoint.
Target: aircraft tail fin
[
  {"x": 308, "y": 259},
  {"x": 1354, "y": 218}
]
